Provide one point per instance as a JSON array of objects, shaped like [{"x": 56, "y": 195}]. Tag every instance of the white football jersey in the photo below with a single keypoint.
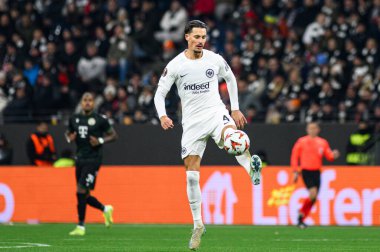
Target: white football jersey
[{"x": 197, "y": 82}]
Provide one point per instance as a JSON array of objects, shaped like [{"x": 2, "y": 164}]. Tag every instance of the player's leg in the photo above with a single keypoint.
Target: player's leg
[
  {"x": 93, "y": 170},
  {"x": 312, "y": 183},
  {"x": 81, "y": 202},
  {"x": 193, "y": 142},
  {"x": 192, "y": 165},
  {"x": 194, "y": 194},
  {"x": 106, "y": 209},
  {"x": 308, "y": 204},
  {"x": 81, "y": 209},
  {"x": 252, "y": 164},
  {"x": 94, "y": 202}
]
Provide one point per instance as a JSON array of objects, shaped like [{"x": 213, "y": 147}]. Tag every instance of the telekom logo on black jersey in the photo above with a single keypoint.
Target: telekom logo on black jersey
[{"x": 202, "y": 86}]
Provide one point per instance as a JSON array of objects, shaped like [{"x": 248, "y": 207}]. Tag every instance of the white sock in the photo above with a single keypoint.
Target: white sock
[
  {"x": 245, "y": 161},
  {"x": 195, "y": 196},
  {"x": 227, "y": 131}
]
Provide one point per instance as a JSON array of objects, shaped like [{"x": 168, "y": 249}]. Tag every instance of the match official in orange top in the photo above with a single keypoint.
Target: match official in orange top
[{"x": 307, "y": 155}]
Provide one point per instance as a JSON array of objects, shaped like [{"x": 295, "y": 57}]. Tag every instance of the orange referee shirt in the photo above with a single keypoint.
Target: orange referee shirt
[{"x": 308, "y": 152}]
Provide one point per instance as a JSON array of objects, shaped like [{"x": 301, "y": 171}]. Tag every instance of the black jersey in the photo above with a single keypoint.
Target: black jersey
[{"x": 85, "y": 126}]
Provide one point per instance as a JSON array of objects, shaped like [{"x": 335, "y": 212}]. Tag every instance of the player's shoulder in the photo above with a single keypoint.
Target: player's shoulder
[
  {"x": 322, "y": 140},
  {"x": 74, "y": 116},
  {"x": 173, "y": 65},
  {"x": 211, "y": 54},
  {"x": 177, "y": 60},
  {"x": 101, "y": 117},
  {"x": 303, "y": 139}
]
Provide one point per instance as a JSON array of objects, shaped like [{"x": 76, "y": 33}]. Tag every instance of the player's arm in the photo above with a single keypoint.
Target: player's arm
[
  {"x": 70, "y": 133},
  {"x": 110, "y": 134},
  {"x": 226, "y": 73},
  {"x": 329, "y": 154},
  {"x": 294, "y": 160},
  {"x": 159, "y": 102},
  {"x": 166, "y": 81}
]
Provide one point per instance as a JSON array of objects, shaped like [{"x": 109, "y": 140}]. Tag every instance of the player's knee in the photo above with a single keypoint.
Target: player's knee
[
  {"x": 192, "y": 163},
  {"x": 229, "y": 129},
  {"x": 192, "y": 178},
  {"x": 81, "y": 190},
  {"x": 313, "y": 196},
  {"x": 192, "y": 168}
]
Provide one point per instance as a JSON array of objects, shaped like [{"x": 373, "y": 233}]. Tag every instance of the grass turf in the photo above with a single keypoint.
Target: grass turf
[{"x": 175, "y": 238}]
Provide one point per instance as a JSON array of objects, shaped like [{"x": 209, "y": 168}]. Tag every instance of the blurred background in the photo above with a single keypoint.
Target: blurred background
[{"x": 296, "y": 61}]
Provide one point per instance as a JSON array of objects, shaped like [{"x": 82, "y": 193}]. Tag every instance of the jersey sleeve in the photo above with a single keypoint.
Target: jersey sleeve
[
  {"x": 224, "y": 68},
  {"x": 328, "y": 153},
  {"x": 295, "y": 156},
  {"x": 168, "y": 77},
  {"x": 105, "y": 125},
  {"x": 166, "y": 81},
  {"x": 70, "y": 127},
  {"x": 226, "y": 73}
]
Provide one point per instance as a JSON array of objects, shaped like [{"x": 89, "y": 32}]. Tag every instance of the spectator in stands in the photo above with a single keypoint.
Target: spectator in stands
[
  {"x": 39, "y": 42},
  {"x": 306, "y": 14},
  {"x": 146, "y": 24},
  {"x": 44, "y": 97},
  {"x": 203, "y": 8},
  {"x": 169, "y": 50},
  {"x": 101, "y": 41},
  {"x": 6, "y": 151},
  {"x": 109, "y": 105},
  {"x": 121, "y": 50},
  {"x": 40, "y": 146},
  {"x": 25, "y": 28},
  {"x": 267, "y": 38},
  {"x": 12, "y": 56},
  {"x": 314, "y": 30},
  {"x": 91, "y": 70},
  {"x": 172, "y": 23},
  {"x": 145, "y": 101},
  {"x": 223, "y": 9},
  {"x": 19, "y": 108},
  {"x": 291, "y": 111},
  {"x": 3, "y": 91}
]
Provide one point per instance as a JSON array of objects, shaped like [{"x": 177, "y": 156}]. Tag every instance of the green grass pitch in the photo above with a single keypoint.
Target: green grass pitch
[{"x": 54, "y": 237}]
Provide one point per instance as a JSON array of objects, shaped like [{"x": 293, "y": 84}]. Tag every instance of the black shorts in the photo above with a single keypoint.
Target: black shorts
[
  {"x": 311, "y": 178},
  {"x": 86, "y": 172}
]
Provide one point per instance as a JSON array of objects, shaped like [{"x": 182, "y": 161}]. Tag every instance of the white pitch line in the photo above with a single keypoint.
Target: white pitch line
[
  {"x": 23, "y": 245},
  {"x": 323, "y": 240}
]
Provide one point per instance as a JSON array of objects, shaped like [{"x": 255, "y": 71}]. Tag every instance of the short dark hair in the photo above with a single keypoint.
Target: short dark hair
[
  {"x": 88, "y": 94},
  {"x": 194, "y": 24}
]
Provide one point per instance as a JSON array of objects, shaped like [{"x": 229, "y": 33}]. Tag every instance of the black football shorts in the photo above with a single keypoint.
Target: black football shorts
[
  {"x": 86, "y": 172},
  {"x": 311, "y": 178}
]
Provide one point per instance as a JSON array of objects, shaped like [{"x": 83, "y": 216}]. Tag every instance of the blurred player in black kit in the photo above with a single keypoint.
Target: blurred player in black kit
[{"x": 89, "y": 131}]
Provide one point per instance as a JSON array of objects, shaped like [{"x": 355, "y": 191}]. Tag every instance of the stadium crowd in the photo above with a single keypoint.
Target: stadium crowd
[{"x": 295, "y": 60}]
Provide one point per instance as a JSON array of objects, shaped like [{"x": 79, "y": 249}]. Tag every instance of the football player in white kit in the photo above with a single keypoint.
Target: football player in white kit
[{"x": 195, "y": 72}]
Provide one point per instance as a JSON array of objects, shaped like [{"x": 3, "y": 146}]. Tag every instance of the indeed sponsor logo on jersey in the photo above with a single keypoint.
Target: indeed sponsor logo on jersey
[{"x": 202, "y": 86}]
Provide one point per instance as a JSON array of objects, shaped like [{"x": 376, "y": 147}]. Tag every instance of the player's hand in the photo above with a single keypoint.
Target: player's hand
[
  {"x": 239, "y": 118},
  {"x": 94, "y": 141},
  {"x": 336, "y": 154},
  {"x": 71, "y": 136},
  {"x": 295, "y": 177},
  {"x": 166, "y": 122}
]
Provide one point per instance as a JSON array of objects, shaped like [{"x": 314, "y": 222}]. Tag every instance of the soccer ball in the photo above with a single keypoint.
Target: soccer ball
[{"x": 236, "y": 143}]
